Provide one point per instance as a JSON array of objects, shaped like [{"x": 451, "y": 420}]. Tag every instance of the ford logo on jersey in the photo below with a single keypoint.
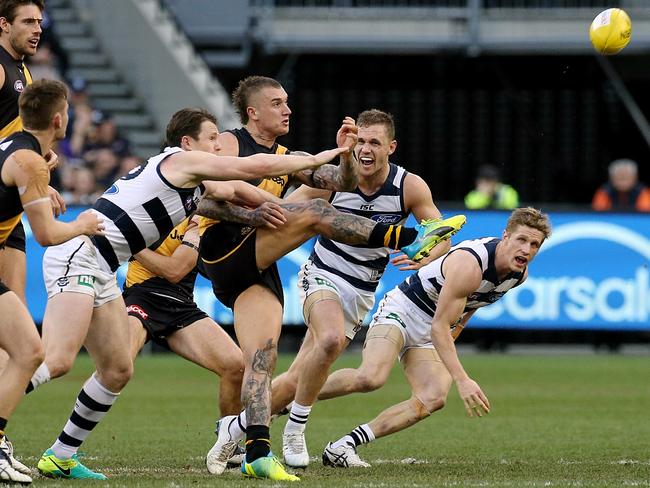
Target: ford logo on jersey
[{"x": 386, "y": 218}]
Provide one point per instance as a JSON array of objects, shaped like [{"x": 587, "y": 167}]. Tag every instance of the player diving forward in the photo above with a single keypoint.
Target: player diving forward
[{"x": 417, "y": 323}]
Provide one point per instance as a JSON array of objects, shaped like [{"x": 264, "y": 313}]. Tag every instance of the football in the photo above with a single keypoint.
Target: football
[{"x": 610, "y": 31}]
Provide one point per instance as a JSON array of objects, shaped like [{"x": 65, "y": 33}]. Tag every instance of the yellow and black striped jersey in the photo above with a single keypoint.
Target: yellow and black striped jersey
[{"x": 17, "y": 77}]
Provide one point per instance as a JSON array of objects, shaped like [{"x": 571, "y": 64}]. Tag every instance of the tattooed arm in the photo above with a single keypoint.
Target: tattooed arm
[
  {"x": 345, "y": 176},
  {"x": 268, "y": 214}
]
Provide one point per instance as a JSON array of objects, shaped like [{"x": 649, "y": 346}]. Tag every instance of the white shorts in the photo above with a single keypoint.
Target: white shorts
[
  {"x": 73, "y": 267},
  {"x": 355, "y": 303},
  {"x": 415, "y": 325}
]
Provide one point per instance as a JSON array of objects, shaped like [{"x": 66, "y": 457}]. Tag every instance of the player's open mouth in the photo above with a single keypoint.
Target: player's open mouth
[
  {"x": 521, "y": 261},
  {"x": 33, "y": 42},
  {"x": 366, "y": 161}
]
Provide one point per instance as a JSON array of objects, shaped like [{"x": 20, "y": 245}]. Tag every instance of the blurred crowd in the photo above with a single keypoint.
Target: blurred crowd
[{"x": 94, "y": 153}]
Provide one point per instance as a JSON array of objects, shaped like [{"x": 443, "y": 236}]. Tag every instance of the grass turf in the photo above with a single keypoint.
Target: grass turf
[{"x": 556, "y": 421}]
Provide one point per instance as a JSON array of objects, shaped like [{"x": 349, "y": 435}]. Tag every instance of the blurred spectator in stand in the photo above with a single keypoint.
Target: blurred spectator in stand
[
  {"x": 623, "y": 191},
  {"x": 80, "y": 118},
  {"x": 82, "y": 187},
  {"x": 104, "y": 135},
  {"x": 490, "y": 192},
  {"x": 128, "y": 163},
  {"x": 105, "y": 165}
]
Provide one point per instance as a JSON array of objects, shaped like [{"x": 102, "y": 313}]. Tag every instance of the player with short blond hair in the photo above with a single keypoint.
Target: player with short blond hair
[{"x": 418, "y": 321}]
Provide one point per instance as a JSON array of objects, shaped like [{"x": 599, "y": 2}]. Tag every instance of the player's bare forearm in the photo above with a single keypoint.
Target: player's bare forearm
[
  {"x": 444, "y": 344},
  {"x": 344, "y": 177}
]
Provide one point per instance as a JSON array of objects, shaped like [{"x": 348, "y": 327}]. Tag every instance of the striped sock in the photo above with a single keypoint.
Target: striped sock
[
  {"x": 361, "y": 435},
  {"x": 298, "y": 417},
  {"x": 237, "y": 428},
  {"x": 393, "y": 236},
  {"x": 94, "y": 401}
]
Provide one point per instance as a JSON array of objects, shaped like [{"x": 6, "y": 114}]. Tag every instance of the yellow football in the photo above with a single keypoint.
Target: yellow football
[{"x": 610, "y": 31}]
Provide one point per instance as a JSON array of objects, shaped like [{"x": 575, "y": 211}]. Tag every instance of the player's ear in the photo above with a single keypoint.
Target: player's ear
[
  {"x": 252, "y": 113},
  {"x": 4, "y": 25},
  {"x": 392, "y": 147}
]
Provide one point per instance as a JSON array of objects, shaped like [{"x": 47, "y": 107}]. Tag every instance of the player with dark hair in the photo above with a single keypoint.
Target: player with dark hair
[
  {"x": 160, "y": 281},
  {"x": 139, "y": 209},
  {"x": 20, "y": 31}
]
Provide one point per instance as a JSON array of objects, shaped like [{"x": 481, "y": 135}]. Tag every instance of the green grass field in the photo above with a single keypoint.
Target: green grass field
[{"x": 556, "y": 421}]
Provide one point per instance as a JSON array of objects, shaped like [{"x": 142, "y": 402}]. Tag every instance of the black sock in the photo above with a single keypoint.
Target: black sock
[
  {"x": 393, "y": 236},
  {"x": 258, "y": 442},
  {"x": 30, "y": 387}
]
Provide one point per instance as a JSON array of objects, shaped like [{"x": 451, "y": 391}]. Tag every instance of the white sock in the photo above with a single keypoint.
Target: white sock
[
  {"x": 237, "y": 428},
  {"x": 40, "y": 377},
  {"x": 361, "y": 435},
  {"x": 297, "y": 418}
]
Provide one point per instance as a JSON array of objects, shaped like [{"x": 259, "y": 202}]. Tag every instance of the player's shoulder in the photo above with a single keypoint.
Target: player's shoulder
[{"x": 229, "y": 144}]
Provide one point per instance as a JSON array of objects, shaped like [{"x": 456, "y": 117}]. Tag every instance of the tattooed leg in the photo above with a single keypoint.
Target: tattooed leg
[
  {"x": 258, "y": 319},
  {"x": 257, "y": 385}
]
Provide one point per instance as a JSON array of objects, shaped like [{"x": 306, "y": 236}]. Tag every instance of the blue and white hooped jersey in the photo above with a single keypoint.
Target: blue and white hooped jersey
[
  {"x": 423, "y": 287},
  {"x": 141, "y": 209},
  {"x": 362, "y": 266}
]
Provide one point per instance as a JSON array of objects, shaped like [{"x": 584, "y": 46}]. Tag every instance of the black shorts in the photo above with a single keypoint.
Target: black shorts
[
  {"x": 16, "y": 239},
  {"x": 3, "y": 288},
  {"x": 232, "y": 275},
  {"x": 160, "y": 315}
]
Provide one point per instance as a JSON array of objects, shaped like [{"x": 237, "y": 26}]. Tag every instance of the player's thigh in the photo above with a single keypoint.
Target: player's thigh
[
  {"x": 18, "y": 334},
  {"x": 426, "y": 373},
  {"x": 258, "y": 320},
  {"x": 108, "y": 337},
  {"x": 13, "y": 265},
  {"x": 205, "y": 343},
  {"x": 65, "y": 325},
  {"x": 380, "y": 350},
  {"x": 137, "y": 336}
]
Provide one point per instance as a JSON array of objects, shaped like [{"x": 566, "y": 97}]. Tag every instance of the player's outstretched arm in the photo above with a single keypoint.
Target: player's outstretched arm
[
  {"x": 345, "y": 176},
  {"x": 29, "y": 173},
  {"x": 175, "y": 267},
  {"x": 189, "y": 168},
  {"x": 462, "y": 278},
  {"x": 269, "y": 214}
]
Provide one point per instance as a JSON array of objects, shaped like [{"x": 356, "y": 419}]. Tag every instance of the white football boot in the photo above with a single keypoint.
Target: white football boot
[
  {"x": 294, "y": 449},
  {"x": 343, "y": 457},
  {"x": 217, "y": 458}
]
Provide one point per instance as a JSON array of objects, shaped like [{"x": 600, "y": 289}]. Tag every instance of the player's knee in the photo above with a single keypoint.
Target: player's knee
[
  {"x": 332, "y": 343},
  {"x": 234, "y": 369},
  {"x": 118, "y": 375},
  {"x": 58, "y": 366},
  {"x": 369, "y": 382},
  {"x": 426, "y": 405}
]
